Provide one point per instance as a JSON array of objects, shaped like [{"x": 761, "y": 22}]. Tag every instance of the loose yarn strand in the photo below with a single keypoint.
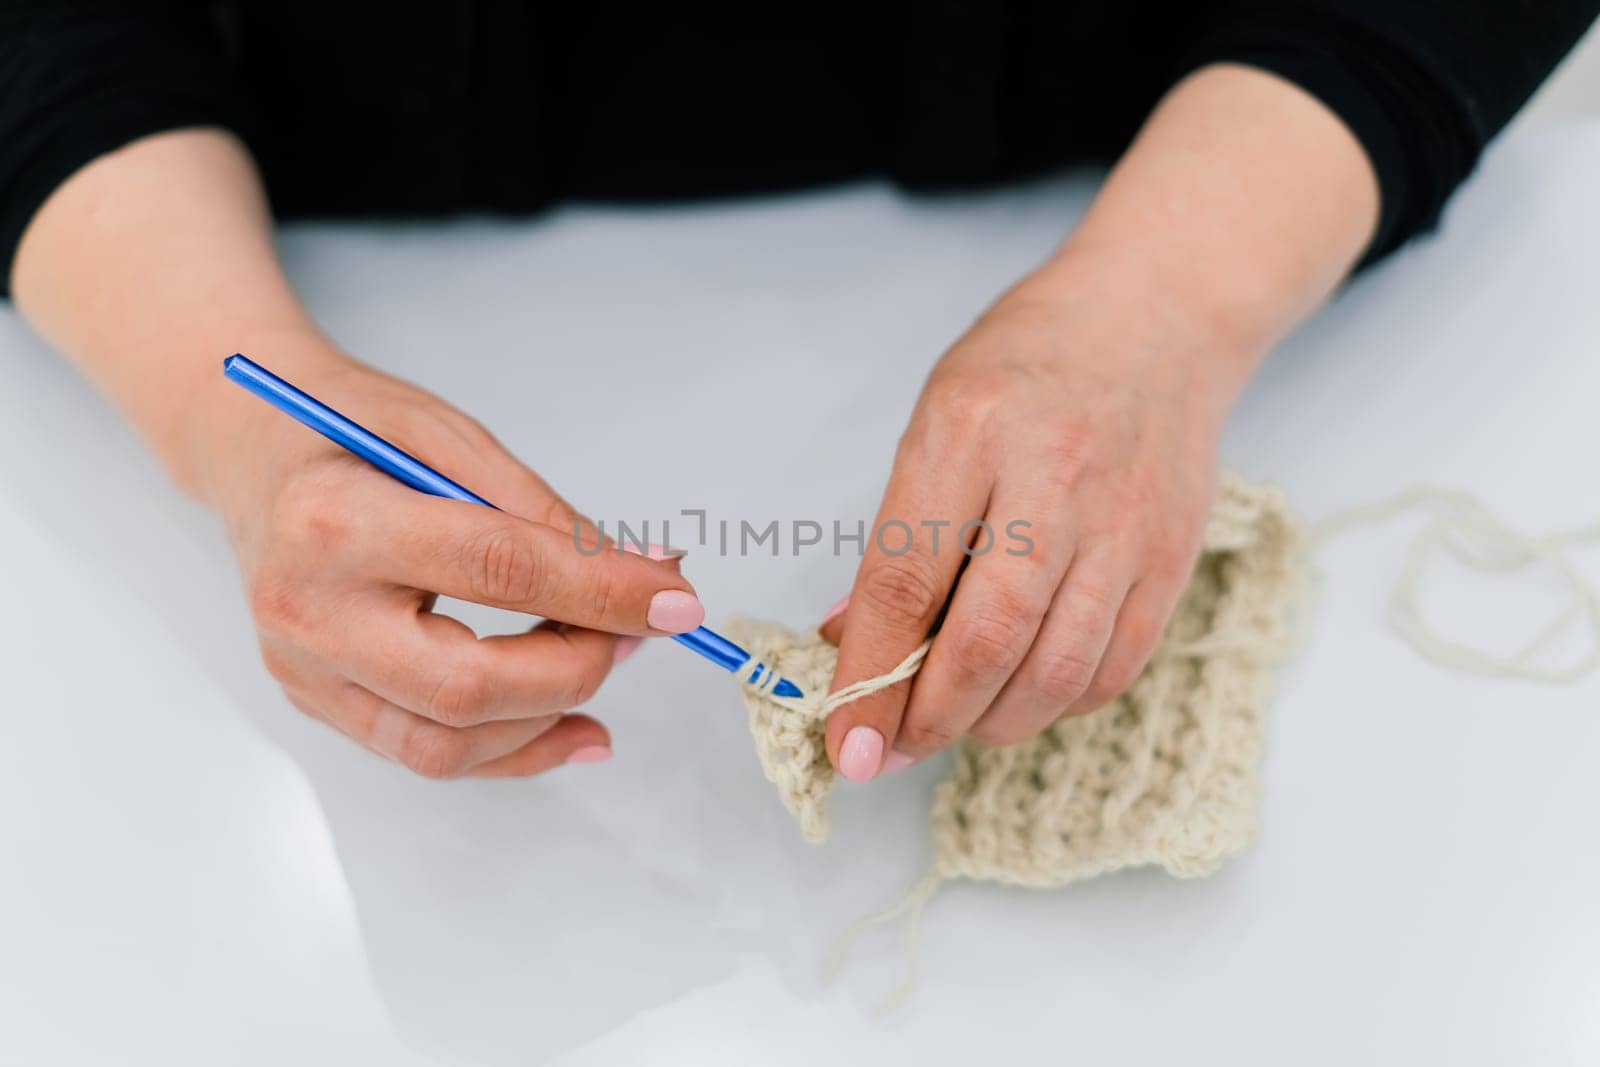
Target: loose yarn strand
[
  {"x": 1464, "y": 528},
  {"x": 769, "y": 678},
  {"x": 912, "y": 906},
  {"x": 855, "y": 691}
]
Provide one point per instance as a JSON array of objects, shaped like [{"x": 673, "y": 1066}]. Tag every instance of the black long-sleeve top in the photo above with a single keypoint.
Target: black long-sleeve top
[{"x": 360, "y": 107}]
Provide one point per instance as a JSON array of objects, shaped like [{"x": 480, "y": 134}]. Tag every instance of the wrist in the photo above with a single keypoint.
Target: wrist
[
  {"x": 1235, "y": 212},
  {"x": 1159, "y": 320}
]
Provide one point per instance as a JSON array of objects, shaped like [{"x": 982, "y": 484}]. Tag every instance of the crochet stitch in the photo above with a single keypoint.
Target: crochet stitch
[{"x": 1166, "y": 774}]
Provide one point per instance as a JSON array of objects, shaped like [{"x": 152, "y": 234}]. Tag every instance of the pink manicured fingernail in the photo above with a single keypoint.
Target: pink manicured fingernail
[
  {"x": 626, "y": 646},
  {"x": 675, "y": 611},
  {"x": 654, "y": 551},
  {"x": 861, "y": 754},
  {"x": 590, "y": 754},
  {"x": 896, "y": 761},
  {"x": 837, "y": 610}
]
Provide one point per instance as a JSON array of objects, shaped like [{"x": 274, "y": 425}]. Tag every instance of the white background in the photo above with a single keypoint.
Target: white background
[{"x": 191, "y": 873}]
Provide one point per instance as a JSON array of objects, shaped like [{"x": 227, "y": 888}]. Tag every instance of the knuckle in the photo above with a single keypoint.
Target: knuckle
[
  {"x": 505, "y": 567},
  {"x": 990, "y": 644},
  {"x": 434, "y": 752},
  {"x": 1142, "y": 633},
  {"x": 923, "y": 737},
  {"x": 1138, "y": 495},
  {"x": 902, "y": 590},
  {"x": 1065, "y": 674},
  {"x": 1110, "y": 682},
  {"x": 560, "y": 515},
  {"x": 1065, "y": 457},
  {"x": 604, "y": 592},
  {"x": 274, "y": 604},
  {"x": 583, "y": 686},
  {"x": 303, "y": 704},
  {"x": 577, "y": 687},
  {"x": 461, "y": 696},
  {"x": 1115, "y": 677},
  {"x": 309, "y": 514},
  {"x": 964, "y": 403},
  {"x": 998, "y": 735},
  {"x": 278, "y": 666},
  {"x": 1174, "y": 560},
  {"x": 1094, "y": 698},
  {"x": 1092, "y": 600},
  {"x": 1113, "y": 682},
  {"x": 414, "y": 426}
]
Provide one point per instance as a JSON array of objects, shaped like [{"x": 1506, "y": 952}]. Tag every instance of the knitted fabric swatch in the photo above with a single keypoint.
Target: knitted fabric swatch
[
  {"x": 1166, "y": 774},
  {"x": 788, "y": 733}
]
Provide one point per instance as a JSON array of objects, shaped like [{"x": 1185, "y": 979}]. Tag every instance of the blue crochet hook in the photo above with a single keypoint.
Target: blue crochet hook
[{"x": 423, "y": 478}]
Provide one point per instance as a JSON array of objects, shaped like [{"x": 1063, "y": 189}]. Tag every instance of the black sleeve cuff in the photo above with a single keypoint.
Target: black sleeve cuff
[{"x": 1418, "y": 140}]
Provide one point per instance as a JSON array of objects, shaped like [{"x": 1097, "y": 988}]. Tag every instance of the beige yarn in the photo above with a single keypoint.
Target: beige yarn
[
  {"x": 1166, "y": 774},
  {"x": 789, "y": 732}
]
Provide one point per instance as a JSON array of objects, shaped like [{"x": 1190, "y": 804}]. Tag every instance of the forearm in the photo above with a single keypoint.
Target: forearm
[
  {"x": 146, "y": 268},
  {"x": 1239, "y": 207}
]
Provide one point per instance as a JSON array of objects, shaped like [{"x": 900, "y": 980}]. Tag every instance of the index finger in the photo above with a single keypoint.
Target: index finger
[
  {"x": 904, "y": 580},
  {"x": 495, "y": 558}
]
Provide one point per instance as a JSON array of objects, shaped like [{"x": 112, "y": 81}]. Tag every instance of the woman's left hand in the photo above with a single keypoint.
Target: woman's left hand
[
  {"x": 1081, "y": 426},
  {"x": 1088, "y": 403}
]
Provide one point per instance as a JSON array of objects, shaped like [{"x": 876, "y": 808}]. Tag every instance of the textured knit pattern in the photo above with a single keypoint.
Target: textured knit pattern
[
  {"x": 788, "y": 733},
  {"x": 1166, "y": 774}
]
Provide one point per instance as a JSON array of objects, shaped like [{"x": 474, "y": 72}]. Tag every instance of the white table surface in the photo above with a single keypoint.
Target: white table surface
[{"x": 192, "y": 873}]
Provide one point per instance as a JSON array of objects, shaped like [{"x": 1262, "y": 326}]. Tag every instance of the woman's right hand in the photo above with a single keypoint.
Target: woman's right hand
[
  {"x": 343, "y": 565},
  {"x": 154, "y": 261}
]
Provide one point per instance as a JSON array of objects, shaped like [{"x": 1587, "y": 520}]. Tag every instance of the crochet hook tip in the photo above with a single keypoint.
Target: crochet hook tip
[{"x": 730, "y": 657}]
